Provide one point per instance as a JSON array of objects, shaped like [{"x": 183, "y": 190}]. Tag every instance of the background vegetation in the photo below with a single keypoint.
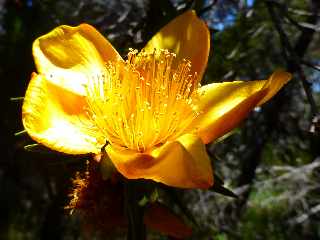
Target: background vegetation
[{"x": 272, "y": 161}]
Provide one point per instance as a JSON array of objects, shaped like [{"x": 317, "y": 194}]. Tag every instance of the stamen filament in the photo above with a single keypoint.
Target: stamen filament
[{"x": 146, "y": 101}]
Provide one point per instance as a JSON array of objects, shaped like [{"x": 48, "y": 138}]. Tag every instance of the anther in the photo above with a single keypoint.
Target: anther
[{"x": 149, "y": 96}]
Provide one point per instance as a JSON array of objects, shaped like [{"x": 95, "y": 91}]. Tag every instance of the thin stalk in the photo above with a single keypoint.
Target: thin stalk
[{"x": 136, "y": 227}]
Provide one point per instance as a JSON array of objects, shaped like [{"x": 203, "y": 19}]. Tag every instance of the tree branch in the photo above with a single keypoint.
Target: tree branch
[{"x": 293, "y": 55}]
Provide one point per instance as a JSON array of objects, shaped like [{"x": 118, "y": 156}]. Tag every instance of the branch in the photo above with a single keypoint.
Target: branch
[
  {"x": 305, "y": 216},
  {"x": 308, "y": 64},
  {"x": 292, "y": 54},
  {"x": 207, "y": 8}
]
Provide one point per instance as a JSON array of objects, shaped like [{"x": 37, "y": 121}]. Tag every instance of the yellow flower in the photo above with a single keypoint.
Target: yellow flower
[{"x": 150, "y": 108}]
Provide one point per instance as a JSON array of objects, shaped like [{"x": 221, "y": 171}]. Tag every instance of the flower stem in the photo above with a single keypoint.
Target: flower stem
[{"x": 136, "y": 227}]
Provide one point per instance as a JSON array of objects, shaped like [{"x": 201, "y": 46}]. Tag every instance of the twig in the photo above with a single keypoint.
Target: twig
[
  {"x": 297, "y": 172},
  {"x": 301, "y": 12},
  {"x": 207, "y": 8},
  {"x": 293, "y": 60},
  {"x": 308, "y": 64},
  {"x": 305, "y": 216}
]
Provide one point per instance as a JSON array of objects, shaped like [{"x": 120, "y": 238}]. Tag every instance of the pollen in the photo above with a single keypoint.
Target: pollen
[{"x": 145, "y": 101}]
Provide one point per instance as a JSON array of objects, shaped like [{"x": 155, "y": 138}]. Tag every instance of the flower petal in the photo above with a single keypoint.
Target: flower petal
[
  {"x": 70, "y": 56},
  {"x": 224, "y": 105},
  {"x": 188, "y": 37},
  {"x": 56, "y": 118},
  {"x": 183, "y": 163}
]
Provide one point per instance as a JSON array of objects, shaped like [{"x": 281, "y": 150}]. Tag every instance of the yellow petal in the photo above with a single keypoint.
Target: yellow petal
[
  {"x": 224, "y": 105},
  {"x": 183, "y": 163},
  {"x": 56, "y": 118},
  {"x": 188, "y": 37},
  {"x": 70, "y": 56}
]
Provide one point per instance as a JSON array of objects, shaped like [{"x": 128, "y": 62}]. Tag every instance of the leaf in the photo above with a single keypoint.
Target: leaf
[
  {"x": 160, "y": 218},
  {"x": 16, "y": 99},
  {"x": 35, "y": 147},
  {"x": 177, "y": 200},
  {"x": 106, "y": 166},
  {"x": 154, "y": 195},
  {"x": 227, "y": 135},
  {"x": 219, "y": 188},
  {"x": 38, "y": 148},
  {"x": 149, "y": 199},
  {"x": 143, "y": 202},
  {"x": 20, "y": 133},
  {"x": 217, "y": 180}
]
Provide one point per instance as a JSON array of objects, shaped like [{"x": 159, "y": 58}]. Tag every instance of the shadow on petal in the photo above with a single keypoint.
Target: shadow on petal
[{"x": 182, "y": 163}]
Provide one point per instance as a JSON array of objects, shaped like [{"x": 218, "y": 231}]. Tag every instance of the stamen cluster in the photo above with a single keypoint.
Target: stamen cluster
[{"x": 145, "y": 101}]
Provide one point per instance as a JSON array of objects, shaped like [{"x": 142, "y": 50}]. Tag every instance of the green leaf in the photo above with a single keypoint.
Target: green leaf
[
  {"x": 106, "y": 166},
  {"x": 35, "y": 147},
  {"x": 143, "y": 201},
  {"x": 218, "y": 180},
  {"x": 154, "y": 195},
  {"x": 38, "y": 148},
  {"x": 227, "y": 135},
  {"x": 16, "y": 99},
  {"x": 175, "y": 197},
  {"x": 20, "y": 133},
  {"x": 219, "y": 188}
]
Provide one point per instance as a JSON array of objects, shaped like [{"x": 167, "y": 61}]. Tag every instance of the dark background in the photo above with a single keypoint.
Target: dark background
[{"x": 272, "y": 161}]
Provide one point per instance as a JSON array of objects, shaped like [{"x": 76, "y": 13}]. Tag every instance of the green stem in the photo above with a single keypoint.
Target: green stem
[{"x": 136, "y": 227}]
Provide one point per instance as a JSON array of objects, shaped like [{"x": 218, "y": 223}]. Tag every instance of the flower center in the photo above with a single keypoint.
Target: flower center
[{"x": 145, "y": 101}]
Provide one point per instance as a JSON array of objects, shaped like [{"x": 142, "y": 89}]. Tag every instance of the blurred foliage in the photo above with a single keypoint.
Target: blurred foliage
[{"x": 271, "y": 162}]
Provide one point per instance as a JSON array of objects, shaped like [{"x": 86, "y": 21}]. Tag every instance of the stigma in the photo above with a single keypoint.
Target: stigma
[{"x": 145, "y": 101}]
